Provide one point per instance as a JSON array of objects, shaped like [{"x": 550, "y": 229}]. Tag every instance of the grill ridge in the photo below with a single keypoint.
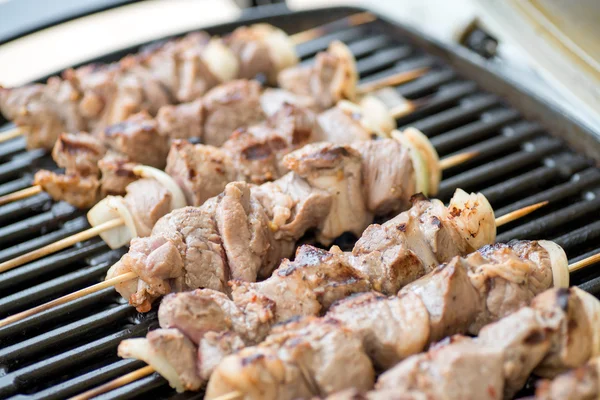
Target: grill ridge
[{"x": 72, "y": 348}]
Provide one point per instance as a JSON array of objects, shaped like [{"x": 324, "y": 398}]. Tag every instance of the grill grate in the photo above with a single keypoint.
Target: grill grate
[{"x": 71, "y": 348}]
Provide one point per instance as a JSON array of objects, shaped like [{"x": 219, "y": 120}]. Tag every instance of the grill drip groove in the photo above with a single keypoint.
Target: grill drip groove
[{"x": 72, "y": 348}]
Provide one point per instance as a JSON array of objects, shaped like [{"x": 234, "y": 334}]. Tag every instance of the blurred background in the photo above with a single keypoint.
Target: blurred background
[{"x": 551, "y": 46}]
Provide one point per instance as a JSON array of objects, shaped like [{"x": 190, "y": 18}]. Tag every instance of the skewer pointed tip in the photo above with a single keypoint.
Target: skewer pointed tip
[
  {"x": 11, "y": 134},
  {"x": 585, "y": 262},
  {"x": 351, "y": 20},
  {"x": 20, "y": 194},
  {"x": 520, "y": 213},
  {"x": 115, "y": 383},
  {"x": 457, "y": 159},
  {"x": 392, "y": 80}
]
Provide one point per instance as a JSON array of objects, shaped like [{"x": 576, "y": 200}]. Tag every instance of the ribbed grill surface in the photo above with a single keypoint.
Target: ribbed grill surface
[{"x": 72, "y": 348}]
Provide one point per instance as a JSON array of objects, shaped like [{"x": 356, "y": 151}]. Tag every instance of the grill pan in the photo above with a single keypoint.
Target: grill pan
[{"x": 529, "y": 152}]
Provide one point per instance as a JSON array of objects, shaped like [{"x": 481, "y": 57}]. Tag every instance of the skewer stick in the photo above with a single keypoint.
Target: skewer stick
[
  {"x": 21, "y": 194},
  {"x": 115, "y": 383},
  {"x": 11, "y": 134},
  {"x": 352, "y": 20},
  {"x": 584, "y": 263},
  {"x": 392, "y": 80},
  {"x": 131, "y": 275},
  {"x": 65, "y": 299},
  {"x": 457, "y": 159},
  {"x": 521, "y": 212},
  {"x": 230, "y": 396},
  {"x": 61, "y": 244}
]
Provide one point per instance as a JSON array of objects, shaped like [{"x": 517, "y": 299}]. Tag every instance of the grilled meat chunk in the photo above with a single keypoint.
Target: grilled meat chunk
[
  {"x": 579, "y": 384},
  {"x": 183, "y": 121},
  {"x": 330, "y": 79},
  {"x": 45, "y": 111},
  {"x": 230, "y": 106},
  {"x": 298, "y": 360},
  {"x": 82, "y": 192},
  {"x": 116, "y": 173},
  {"x": 147, "y": 201},
  {"x": 138, "y": 139},
  {"x": 499, "y": 361},
  {"x": 78, "y": 153}
]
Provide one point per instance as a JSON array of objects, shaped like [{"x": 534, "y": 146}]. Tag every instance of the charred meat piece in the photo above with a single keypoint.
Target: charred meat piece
[
  {"x": 579, "y": 384},
  {"x": 231, "y": 106},
  {"x": 498, "y": 362},
  {"x": 116, "y": 173},
  {"x": 183, "y": 121},
  {"x": 78, "y": 153},
  {"x": 82, "y": 192},
  {"x": 298, "y": 360},
  {"x": 138, "y": 139},
  {"x": 44, "y": 111}
]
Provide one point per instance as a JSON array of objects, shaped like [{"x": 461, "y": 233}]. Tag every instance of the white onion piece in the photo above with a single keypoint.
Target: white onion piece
[
  {"x": 177, "y": 196},
  {"x": 431, "y": 157},
  {"x": 476, "y": 221},
  {"x": 342, "y": 51},
  {"x": 281, "y": 48},
  {"x": 355, "y": 111},
  {"x": 376, "y": 112},
  {"x": 419, "y": 165},
  {"x": 592, "y": 310},
  {"x": 108, "y": 209},
  {"x": 220, "y": 60},
  {"x": 139, "y": 349},
  {"x": 559, "y": 263}
]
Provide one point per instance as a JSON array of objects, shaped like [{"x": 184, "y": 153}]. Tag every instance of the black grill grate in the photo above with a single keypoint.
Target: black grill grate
[{"x": 72, "y": 348}]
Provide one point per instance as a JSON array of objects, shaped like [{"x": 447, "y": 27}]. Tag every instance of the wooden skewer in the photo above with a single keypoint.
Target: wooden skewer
[
  {"x": 392, "y": 80},
  {"x": 65, "y": 299},
  {"x": 520, "y": 213},
  {"x": 585, "y": 262},
  {"x": 61, "y": 244},
  {"x": 230, "y": 396},
  {"x": 352, "y": 20},
  {"x": 131, "y": 275},
  {"x": 116, "y": 383},
  {"x": 457, "y": 159},
  {"x": 21, "y": 194},
  {"x": 12, "y": 133}
]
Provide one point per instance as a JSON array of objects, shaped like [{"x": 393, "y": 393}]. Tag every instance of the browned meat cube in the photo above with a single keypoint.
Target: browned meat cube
[
  {"x": 116, "y": 173},
  {"x": 78, "y": 153},
  {"x": 139, "y": 140},
  {"x": 82, "y": 192}
]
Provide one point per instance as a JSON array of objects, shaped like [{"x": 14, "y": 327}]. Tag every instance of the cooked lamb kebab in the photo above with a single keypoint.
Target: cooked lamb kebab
[
  {"x": 457, "y": 297},
  {"x": 557, "y": 331},
  {"x": 393, "y": 170},
  {"x": 140, "y": 140},
  {"x": 93, "y": 97},
  {"x": 245, "y": 231},
  {"x": 582, "y": 383}
]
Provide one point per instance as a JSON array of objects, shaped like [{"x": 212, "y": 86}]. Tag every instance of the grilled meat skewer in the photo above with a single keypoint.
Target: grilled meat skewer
[
  {"x": 582, "y": 383},
  {"x": 457, "y": 297},
  {"x": 305, "y": 361},
  {"x": 92, "y": 97},
  {"x": 244, "y": 232}
]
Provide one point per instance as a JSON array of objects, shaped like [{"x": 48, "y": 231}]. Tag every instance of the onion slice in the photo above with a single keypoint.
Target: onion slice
[
  {"x": 419, "y": 165},
  {"x": 377, "y": 114},
  {"x": 421, "y": 142},
  {"x": 140, "y": 349},
  {"x": 559, "y": 263},
  {"x": 592, "y": 309},
  {"x": 356, "y": 112},
  {"x": 220, "y": 60},
  {"x": 108, "y": 209},
  {"x": 474, "y": 218},
  {"x": 177, "y": 196},
  {"x": 350, "y": 77},
  {"x": 281, "y": 48}
]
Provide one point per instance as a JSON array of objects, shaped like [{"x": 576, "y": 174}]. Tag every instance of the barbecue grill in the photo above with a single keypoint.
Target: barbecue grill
[{"x": 528, "y": 152}]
